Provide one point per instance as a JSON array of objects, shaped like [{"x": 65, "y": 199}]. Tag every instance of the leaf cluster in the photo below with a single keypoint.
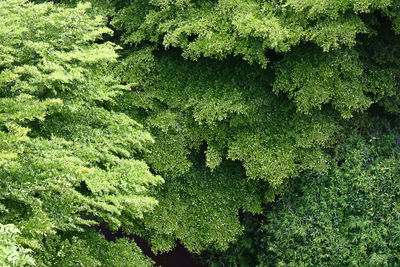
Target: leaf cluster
[{"x": 67, "y": 162}]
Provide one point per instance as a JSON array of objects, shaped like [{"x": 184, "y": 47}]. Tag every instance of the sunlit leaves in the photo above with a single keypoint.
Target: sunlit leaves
[
  {"x": 319, "y": 41},
  {"x": 314, "y": 78},
  {"x": 246, "y": 28},
  {"x": 11, "y": 253},
  {"x": 91, "y": 249},
  {"x": 66, "y": 161}
]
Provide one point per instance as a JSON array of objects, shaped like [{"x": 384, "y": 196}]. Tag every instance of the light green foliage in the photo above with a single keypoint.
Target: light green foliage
[
  {"x": 91, "y": 249},
  {"x": 66, "y": 160},
  {"x": 11, "y": 253},
  {"x": 322, "y": 60},
  {"x": 246, "y": 28},
  {"x": 349, "y": 217}
]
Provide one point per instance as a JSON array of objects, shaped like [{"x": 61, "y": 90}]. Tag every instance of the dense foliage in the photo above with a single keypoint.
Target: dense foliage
[
  {"x": 301, "y": 33},
  {"x": 348, "y": 217},
  {"x": 265, "y": 120},
  {"x": 66, "y": 161},
  {"x": 227, "y": 109}
]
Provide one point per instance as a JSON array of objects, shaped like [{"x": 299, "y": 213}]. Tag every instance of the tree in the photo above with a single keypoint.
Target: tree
[
  {"x": 244, "y": 99},
  {"x": 348, "y": 217},
  {"x": 270, "y": 85},
  {"x": 67, "y": 161}
]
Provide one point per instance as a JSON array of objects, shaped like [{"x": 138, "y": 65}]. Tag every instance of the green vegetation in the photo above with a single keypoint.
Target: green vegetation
[
  {"x": 254, "y": 132},
  {"x": 348, "y": 217},
  {"x": 67, "y": 162}
]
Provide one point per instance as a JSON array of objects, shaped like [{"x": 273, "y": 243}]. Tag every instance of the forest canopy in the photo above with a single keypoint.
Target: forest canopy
[{"x": 253, "y": 132}]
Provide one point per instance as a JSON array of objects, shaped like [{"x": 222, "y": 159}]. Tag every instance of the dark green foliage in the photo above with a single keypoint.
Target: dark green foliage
[
  {"x": 230, "y": 107},
  {"x": 246, "y": 28},
  {"x": 243, "y": 252},
  {"x": 227, "y": 112},
  {"x": 316, "y": 53},
  {"x": 313, "y": 78},
  {"x": 349, "y": 217},
  {"x": 202, "y": 208}
]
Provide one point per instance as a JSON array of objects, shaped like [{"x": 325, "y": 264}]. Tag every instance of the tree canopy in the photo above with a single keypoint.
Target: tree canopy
[
  {"x": 66, "y": 161},
  {"x": 255, "y": 132}
]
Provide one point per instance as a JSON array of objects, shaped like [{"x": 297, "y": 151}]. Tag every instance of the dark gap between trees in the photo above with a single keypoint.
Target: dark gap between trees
[{"x": 178, "y": 257}]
